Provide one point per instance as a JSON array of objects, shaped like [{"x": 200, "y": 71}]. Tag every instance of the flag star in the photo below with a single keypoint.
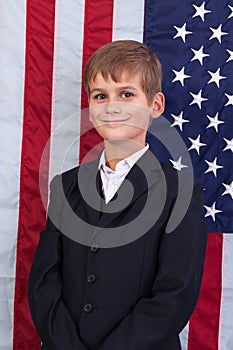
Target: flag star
[
  {"x": 180, "y": 76},
  {"x": 229, "y": 145},
  {"x": 217, "y": 33},
  {"x": 230, "y": 100},
  {"x": 201, "y": 11},
  {"x": 228, "y": 189},
  {"x": 230, "y": 58},
  {"x": 215, "y": 77},
  {"x": 177, "y": 164},
  {"x": 181, "y": 32},
  {"x": 198, "y": 99},
  {"x": 196, "y": 144},
  {"x": 178, "y": 120},
  {"x": 213, "y": 166},
  {"x": 214, "y": 122},
  {"x": 199, "y": 55},
  {"x": 212, "y": 211},
  {"x": 231, "y": 8}
]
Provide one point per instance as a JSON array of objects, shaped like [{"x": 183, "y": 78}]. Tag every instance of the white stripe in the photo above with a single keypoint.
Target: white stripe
[
  {"x": 184, "y": 337},
  {"x": 226, "y": 312},
  {"x": 128, "y": 20},
  {"x": 12, "y": 70},
  {"x": 67, "y": 78}
]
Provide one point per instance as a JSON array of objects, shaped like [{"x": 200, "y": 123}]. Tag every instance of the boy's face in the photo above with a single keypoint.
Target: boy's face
[{"x": 120, "y": 110}]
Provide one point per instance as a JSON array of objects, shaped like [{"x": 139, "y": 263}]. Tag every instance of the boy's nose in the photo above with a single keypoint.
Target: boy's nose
[{"x": 113, "y": 107}]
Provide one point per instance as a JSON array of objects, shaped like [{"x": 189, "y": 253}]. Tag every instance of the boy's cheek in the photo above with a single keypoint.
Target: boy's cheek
[
  {"x": 95, "y": 113},
  {"x": 130, "y": 110}
]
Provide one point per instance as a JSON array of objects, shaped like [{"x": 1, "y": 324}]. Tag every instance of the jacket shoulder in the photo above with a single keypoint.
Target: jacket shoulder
[
  {"x": 68, "y": 180},
  {"x": 175, "y": 179}
]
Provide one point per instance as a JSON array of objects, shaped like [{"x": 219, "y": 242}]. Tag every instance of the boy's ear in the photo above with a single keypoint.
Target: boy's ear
[{"x": 158, "y": 105}]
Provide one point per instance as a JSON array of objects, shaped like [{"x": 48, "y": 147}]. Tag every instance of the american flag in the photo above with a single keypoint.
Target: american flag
[{"x": 44, "y": 46}]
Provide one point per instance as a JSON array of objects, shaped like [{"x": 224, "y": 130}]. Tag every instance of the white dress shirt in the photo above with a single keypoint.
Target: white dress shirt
[{"x": 112, "y": 179}]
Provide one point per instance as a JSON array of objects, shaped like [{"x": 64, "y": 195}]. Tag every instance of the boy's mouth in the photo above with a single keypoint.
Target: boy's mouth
[{"x": 114, "y": 121}]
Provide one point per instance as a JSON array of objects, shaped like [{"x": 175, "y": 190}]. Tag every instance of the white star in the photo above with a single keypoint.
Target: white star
[
  {"x": 215, "y": 77},
  {"x": 213, "y": 166},
  {"x": 231, "y": 8},
  {"x": 229, "y": 145},
  {"x": 211, "y": 211},
  {"x": 180, "y": 76},
  {"x": 178, "y": 120},
  {"x": 230, "y": 58},
  {"x": 196, "y": 144},
  {"x": 177, "y": 164},
  {"x": 230, "y": 100},
  {"x": 198, "y": 99},
  {"x": 199, "y": 55},
  {"x": 181, "y": 32},
  {"x": 214, "y": 122},
  {"x": 200, "y": 11},
  {"x": 228, "y": 189},
  {"x": 217, "y": 33}
]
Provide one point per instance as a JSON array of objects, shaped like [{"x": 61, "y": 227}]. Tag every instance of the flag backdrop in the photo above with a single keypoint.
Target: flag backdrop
[{"x": 44, "y": 46}]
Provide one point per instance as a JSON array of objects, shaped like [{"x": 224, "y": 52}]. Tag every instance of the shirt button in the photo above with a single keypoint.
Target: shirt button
[
  {"x": 88, "y": 308},
  {"x": 94, "y": 247},
  {"x": 91, "y": 278}
]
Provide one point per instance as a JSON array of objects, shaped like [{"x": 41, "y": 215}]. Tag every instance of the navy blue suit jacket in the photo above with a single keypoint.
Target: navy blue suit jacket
[{"x": 137, "y": 296}]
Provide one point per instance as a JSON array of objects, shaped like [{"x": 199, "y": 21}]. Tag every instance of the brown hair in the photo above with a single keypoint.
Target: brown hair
[{"x": 114, "y": 58}]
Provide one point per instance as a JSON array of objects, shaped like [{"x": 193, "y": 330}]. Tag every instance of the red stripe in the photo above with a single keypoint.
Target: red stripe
[
  {"x": 36, "y": 132},
  {"x": 204, "y": 323},
  {"x": 97, "y": 32}
]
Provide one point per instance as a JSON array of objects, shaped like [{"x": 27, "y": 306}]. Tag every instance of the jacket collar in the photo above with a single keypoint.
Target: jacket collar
[
  {"x": 143, "y": 175},
  {"x": 147, "y": 167}
]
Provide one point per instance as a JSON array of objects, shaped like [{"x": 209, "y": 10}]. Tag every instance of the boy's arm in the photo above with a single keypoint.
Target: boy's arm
[
  {"x": 55, "y": 326},
  {"x": 156, "y": 320}
]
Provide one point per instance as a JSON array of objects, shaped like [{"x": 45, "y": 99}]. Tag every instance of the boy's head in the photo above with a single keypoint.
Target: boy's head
[
  {"x": 123, "y": 83},
  {"x": 129, "y": 56}
]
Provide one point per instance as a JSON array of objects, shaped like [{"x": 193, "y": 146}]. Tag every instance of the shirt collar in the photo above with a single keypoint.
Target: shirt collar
[{"x": 131, "y": 159}]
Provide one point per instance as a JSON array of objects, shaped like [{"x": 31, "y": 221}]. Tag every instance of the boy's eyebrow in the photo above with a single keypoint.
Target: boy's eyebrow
[
  {"x": 127, "y": 87},
  {"x": 96, "y": 90}
]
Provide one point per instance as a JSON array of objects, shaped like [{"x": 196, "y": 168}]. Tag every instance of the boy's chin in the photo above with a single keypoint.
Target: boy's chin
[{"x": 122, "y": 132}]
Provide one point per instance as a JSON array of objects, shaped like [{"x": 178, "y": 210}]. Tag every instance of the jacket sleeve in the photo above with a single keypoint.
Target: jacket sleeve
[
  {"x": 160, "y": 317},
  {"x": 54, "y": 324}
]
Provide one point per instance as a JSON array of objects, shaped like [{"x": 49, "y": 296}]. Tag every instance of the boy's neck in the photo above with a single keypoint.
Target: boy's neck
[{"x": 116, "y": 150}]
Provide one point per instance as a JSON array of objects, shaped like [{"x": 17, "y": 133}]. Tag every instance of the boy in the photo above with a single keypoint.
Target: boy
[{"x": 106, "y": 274}]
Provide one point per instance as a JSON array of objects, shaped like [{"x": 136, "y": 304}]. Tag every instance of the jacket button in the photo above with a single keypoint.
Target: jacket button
[
  {"x": 91, "y": 278},
  {"x": 88, "y": 308},
  {"x": 94, "y": 247}
]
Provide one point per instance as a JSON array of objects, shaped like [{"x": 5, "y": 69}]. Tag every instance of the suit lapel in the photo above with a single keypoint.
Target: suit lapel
[
  {"x": 89, "y": 185},
  {"x": 143, "y": 176}
]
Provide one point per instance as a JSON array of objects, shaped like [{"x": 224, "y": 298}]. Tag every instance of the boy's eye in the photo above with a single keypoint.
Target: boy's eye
[
  {"x": 100, "y": 97},
  {"x": 126, "y": 94}
]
